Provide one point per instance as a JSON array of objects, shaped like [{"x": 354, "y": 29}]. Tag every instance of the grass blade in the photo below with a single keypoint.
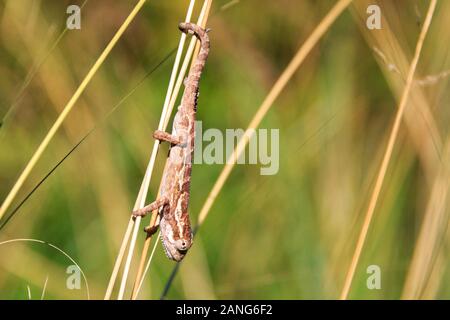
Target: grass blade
[{"x": 387, "y": 155}]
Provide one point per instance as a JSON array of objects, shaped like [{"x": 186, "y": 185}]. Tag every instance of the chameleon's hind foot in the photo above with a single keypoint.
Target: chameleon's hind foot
[{"x": 151, "y": 230}]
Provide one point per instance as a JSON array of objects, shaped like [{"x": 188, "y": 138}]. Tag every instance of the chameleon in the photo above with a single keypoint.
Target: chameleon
[{"x": 173, "y": 199}]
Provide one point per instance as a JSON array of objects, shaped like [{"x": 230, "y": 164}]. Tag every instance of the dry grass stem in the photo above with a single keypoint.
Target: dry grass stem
[
  {"x": 387, "y": 155},
  {"x": 395, "y": 60},
  {"x": 147, "y": 267},
  {"x": 69, "y": 106},
  {"x": 432, "y": 231}
]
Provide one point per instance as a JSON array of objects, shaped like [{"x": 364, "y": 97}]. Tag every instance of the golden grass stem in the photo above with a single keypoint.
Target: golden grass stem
[
  {"x": 69, "y": 106},
  {"x": 118, "y": 262},
  {"x": 140, "y": 201},
  {"x": 387, "y": 155},
  {"x": 44, "y": 288},
  {"x": 145, "y": 270},
  {"x": 203, "y": 17},
  {"x": 419, "y": 119},
  {"x": 141, "y": 267}
]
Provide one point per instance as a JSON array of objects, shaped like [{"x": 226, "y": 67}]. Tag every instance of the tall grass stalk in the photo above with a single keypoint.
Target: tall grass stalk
[
  {"x": 432, "y": 233},
  {"x": 419, "y": 119},
  {"x": 68, "y": 107},
  {"x": 387, "y": 155}
]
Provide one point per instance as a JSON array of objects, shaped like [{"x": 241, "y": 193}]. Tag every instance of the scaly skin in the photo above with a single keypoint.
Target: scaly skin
[{"x": 173, "y": 200}]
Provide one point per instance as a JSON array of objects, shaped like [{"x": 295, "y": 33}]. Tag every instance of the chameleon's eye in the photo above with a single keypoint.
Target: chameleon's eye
[{"x": 182, "y": 245}]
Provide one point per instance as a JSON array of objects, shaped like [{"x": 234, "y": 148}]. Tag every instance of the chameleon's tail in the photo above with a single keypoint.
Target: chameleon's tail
[{"x": 202, "y": 35}]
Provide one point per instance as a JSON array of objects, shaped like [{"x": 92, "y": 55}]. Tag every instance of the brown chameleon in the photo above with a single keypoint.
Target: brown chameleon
[{"x": 173, "y": 200}]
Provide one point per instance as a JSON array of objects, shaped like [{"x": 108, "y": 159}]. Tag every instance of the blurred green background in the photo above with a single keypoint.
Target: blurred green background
[{"x": 286, "y": 236}]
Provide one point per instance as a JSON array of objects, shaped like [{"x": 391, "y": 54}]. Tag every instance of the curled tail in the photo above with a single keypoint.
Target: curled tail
[{"x": 202, "y": 35}]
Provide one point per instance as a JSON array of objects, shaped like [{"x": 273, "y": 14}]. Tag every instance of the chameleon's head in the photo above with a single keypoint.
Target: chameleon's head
[{"x": 176, "y": 240}]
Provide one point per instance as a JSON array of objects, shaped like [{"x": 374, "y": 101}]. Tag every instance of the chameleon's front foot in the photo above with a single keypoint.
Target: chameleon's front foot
[
  {"x": 164, "y": 136},
  {"x": 151, "y": 207}
]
